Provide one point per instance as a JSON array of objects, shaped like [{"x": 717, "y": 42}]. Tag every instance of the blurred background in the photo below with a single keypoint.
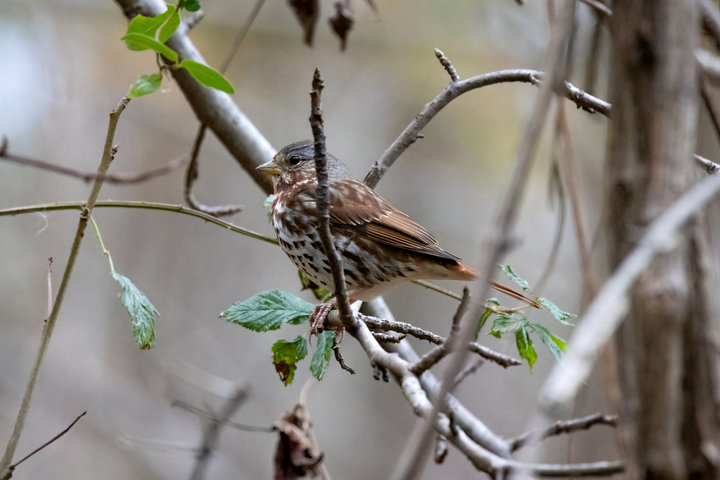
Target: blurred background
[{"x": 65, "y": 68}]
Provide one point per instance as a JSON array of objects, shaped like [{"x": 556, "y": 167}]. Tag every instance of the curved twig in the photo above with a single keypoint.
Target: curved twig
[{"x": 455, "y": 89}]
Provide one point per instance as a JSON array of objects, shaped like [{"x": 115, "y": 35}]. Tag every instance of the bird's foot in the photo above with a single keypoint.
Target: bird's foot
[{"x": 320, "y": 314}]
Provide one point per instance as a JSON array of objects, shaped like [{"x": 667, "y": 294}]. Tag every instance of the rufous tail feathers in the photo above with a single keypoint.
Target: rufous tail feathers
[{"x": 466, "y": 273}]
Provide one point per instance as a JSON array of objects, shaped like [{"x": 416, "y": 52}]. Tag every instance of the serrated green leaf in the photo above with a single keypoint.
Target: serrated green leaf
[
  {"x": 170, "y": 26},
  {"x": 555, "y": 344},
  {"x": 207, "y": 76},
  {"x": 508, "y": 323},
  {"x": 525, "y": 347},
  {"x": 495, "y": 333},
  {"x": 147, "y": 26},
  {"x": 560, "y": 315},
  {"x": 321, "y": 358},
  {"x": 286, "y": 355},
  {"x": 145, "y": 85},
  {"x": 190, "y": 5},
  {"x": 142, "y": 312},
  {"x": 146, "y": 42},
  {"x": 269, "y": 311},
  {"x": 507, "y": 269}
]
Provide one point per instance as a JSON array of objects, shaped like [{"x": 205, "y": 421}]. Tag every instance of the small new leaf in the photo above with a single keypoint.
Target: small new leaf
[
  {"x": 555, "y": 344},
  {"x": 141, "y": 310},
  {"x": 321, "y": 358},
  {"x": 525, "y": 347},
  {"x": 207, "y": 76},
  {"x": 560, "y": 315},
  {"x": 145, "y": 85},
  {"x": 146, "y": 42},
  {"x": 286, "y": 355},
  {"x": 481, "y": 322},
  {"x": 507, "y": 269},
  {"x": 269, "y": 311},
  {"x": 504, "y": 323}
]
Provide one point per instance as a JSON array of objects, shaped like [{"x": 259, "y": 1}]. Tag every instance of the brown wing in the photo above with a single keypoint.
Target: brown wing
[{"x": 355, "y": 204}]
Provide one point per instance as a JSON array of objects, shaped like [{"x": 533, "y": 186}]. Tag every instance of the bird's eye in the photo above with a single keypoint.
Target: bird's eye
[{"x": 294, "y": 159}]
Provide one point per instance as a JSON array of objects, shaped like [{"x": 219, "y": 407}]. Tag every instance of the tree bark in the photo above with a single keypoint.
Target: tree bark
[{"x": 667, "y": 367}]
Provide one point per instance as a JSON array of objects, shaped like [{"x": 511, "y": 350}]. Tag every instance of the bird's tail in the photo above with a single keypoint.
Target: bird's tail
[{"x": 463, "y": 272}]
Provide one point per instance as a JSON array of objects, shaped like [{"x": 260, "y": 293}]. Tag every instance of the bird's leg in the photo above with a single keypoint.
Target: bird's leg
[{"x": 319, "y": 315}]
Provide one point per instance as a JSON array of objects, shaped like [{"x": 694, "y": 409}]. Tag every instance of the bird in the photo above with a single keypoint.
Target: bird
[{"x": 380, "y": 246}]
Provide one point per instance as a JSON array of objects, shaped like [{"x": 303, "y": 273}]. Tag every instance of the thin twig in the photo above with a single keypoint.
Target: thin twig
[
  {"x": 605, "y": 313},
  {"x": 49, "y": 288},
  {"x": 410, "y": 134},
  {"x": 563, "y": 426},
  {"x": 598, "y": 7},
  {"x": 339, "y": 358},
  {"x": 441, "y": 449},
  {"x": 211, "y": 433},
  {"x": 447, "y": 65},
  {"x": 467, "y": 371},
  {"x": 323, "y": 205},
  {"x": 108, "y": 155},
  {"x": 216, "y": 418},
  {"x": 56, "y": 437},
  {"x": 116, "y": 178},
  {"x": 710, "y": 166}
]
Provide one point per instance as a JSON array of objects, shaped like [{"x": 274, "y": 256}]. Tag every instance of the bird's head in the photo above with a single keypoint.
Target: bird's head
[{"x": 296, "y": 162}]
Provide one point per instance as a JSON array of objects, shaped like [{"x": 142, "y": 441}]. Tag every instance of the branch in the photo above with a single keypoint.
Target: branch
[
  {"x": 107, "y": 157},
  {"x": 563, "y": 426},
  {"x": 212, "y": 107},
  {"x": 12, "y": 467},
  {"x": 605, "y": 313},
  {"x": 710, "y": 166},
  {"x": 455, "y": 89},
  {"x": 167, "y": 207},
  {"x": 116, "y": 178},
  {"x": 323, "y": 205}
]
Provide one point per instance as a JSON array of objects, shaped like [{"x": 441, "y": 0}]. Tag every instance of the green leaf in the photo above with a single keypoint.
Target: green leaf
[
  {"x": 147, "y": 42},
  {"x": 556, "y": 345},
  {"x": 147, "y": 26},
  {"x": 142, "y": 312},
  {"x": 269, "y": 311},
  {"x": 515, "y": 278},
  {"x": 190, "y": 5},
  {"x": 170, "y": 26},
  {"x": 207, "y": 76},
  {"x": 321, "y": 358},
  {"x": 525, "y": 347},
  {"x": 145, "y": 85},
  {"x": 286, "y": 355},
  {"x": 507, "y": 323},
  {"x": 481, "y": 322},
  {"x": 560, "y": 315},
  {"x": 321, "y": 293}
]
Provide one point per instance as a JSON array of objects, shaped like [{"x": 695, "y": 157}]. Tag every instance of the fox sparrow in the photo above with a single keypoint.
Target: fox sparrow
[{"x": 380, "y": 246}]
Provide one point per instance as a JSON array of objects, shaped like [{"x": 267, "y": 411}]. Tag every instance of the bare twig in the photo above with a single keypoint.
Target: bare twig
[
  {"x": 211, "y": 433},
  {"x": 388, "y": 337},
  {"x": 339, "y": 358},
  {"x": 56, "y": 437},
  {"x": 116, "y": 178},
  {"x": 710, "y": 166},
  {"x": 441, "y": 449},
  {"x": 49, "y": 288},
  {"x": 563, "y": 426},
  {"x": 447, "y": 65},
  {"x": 107, "y": 157},
  {"x": 217, "y": 418},
  {"x": 605, "y": 313},
  {"x": 454, "y": 90},
  {"x": 167, "y": 207},
  {"x": 323, "y": 205},
  {"x": 467, "y": 371}
]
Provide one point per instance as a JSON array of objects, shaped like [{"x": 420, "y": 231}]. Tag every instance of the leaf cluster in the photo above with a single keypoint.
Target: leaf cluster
[
  {"x": 152, "y": 33},
  {"x": 271, "y": 310}
]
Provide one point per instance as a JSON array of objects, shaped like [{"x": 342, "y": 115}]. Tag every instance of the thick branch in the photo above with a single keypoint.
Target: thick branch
[{"x": 212, "y": 107}]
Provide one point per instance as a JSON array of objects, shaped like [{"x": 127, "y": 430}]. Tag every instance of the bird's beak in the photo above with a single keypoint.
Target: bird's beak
[{"x": 270, "y": 167}]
